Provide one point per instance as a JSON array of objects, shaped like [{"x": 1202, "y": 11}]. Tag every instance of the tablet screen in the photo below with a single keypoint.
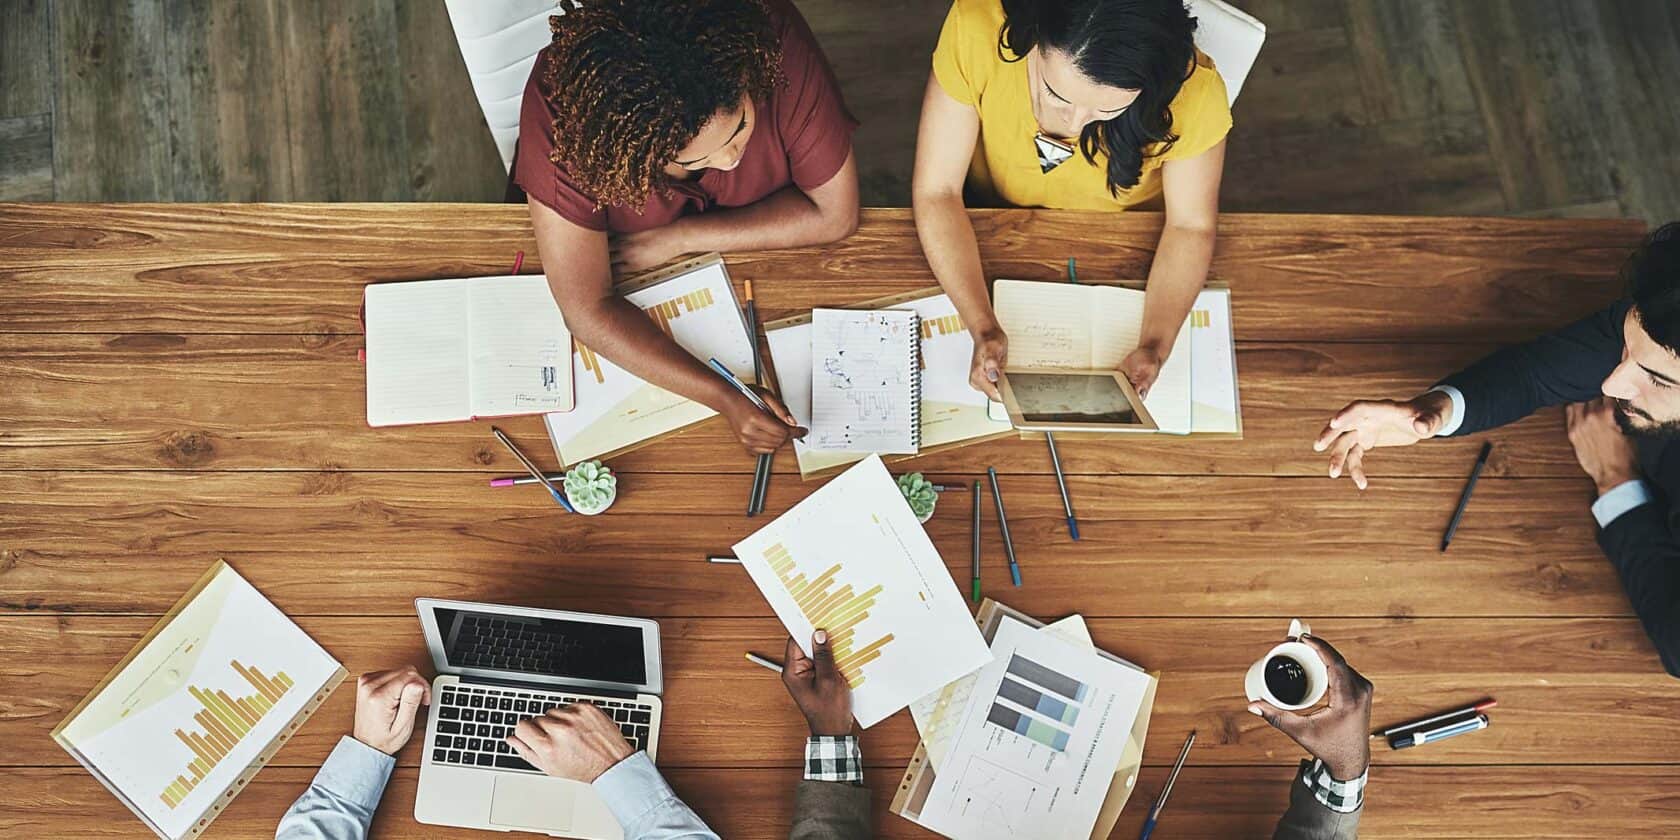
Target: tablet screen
[{"x": 1071, "y": 398}]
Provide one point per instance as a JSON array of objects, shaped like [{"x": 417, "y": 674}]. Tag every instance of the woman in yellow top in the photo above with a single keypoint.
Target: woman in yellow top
[{"x": 1083, "y": 104}]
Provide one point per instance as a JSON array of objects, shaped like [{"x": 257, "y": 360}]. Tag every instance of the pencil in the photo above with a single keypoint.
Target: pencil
[
  {"x": 1061, "y": 484},
  {"x": 532, "y": 468},
  {"x": 1003, "y": 525},
  {"x": 767, "y": 663},
  {"x": 1464, "y": 498},
  {"x": 974, "y": 540}
]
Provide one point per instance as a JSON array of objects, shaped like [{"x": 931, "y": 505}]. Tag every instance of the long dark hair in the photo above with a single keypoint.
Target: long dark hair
[{"x": 1143, "y": 45}]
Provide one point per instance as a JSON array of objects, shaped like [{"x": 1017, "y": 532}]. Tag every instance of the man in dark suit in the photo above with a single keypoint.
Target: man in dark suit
[{"x": 1619, "y": 372}]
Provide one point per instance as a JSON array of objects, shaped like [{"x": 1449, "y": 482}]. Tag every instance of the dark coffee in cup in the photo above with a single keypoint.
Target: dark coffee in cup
[{"x": 1286, "y": 679}]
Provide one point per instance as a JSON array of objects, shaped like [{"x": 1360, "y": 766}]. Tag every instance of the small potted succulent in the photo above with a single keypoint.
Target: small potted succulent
[
  {"x": 919, "y": 492},
  {"x": 591, "y": 487}
]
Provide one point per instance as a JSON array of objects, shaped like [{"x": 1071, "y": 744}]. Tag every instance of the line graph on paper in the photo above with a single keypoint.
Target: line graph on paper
[{"x": 996, "y": 795}]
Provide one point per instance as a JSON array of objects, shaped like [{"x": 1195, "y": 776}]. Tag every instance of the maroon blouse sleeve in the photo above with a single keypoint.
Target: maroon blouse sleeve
[
  {"x": 539, "y": 177},
  {"x": 816, "y": 128}
]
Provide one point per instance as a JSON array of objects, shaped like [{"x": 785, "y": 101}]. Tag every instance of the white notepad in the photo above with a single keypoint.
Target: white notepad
[
  {"x": 866, "y": 388},
  {"x": 446, "y": 350}
]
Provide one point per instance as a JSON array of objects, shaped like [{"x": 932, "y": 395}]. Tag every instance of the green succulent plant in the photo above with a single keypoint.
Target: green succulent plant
[
  {"x": 591, "y": 485},
  {"x": 919, "y": 492}
]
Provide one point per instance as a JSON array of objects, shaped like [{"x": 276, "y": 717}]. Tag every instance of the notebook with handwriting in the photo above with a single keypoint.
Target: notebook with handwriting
[
  {"x": 866, "y": 387},
  {"x": 446, "y": 350}
]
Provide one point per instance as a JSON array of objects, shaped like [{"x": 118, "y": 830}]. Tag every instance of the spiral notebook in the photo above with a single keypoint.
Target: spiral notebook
[{"x": 866, "y": 381}]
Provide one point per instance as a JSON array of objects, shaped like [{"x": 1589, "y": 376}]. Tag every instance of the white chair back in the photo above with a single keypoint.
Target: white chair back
[
  {"x": 1229, "y": 36},
  {"x": 499, "y": 42}
]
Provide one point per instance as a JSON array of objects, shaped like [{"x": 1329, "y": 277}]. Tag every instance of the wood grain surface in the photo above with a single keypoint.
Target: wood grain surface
[{"x": 180, "y": 385}]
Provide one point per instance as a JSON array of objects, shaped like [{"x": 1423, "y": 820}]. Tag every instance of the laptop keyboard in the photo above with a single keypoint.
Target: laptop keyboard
[{"x": 473, "y": 722}]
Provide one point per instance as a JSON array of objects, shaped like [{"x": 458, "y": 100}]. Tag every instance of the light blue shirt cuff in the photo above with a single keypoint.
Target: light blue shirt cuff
[
  {"x": 1619, "y": 500},
  {"x": 645, "y": 805},
  {"x": 1457, "y": 398},
  {"x": 340, "y": 802}
]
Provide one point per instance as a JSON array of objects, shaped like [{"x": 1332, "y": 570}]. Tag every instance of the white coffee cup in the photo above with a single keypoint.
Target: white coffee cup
[{"x": 1317, "y": 673}]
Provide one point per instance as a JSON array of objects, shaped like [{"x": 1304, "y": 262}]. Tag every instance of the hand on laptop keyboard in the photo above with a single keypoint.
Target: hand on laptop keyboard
[
  {"x": 473, "y": 723},
  {"x": 578, "y": 742}
]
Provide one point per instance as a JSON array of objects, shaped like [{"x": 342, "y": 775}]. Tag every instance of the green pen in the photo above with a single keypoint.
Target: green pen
[{"x": 974, "y": 539}]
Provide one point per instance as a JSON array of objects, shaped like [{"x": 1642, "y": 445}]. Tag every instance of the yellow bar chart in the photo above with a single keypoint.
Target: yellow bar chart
[
  {"x": 836, "y": 610},
  {"x": 666, "y": 311},
  {"x": 224, "y": 721}
]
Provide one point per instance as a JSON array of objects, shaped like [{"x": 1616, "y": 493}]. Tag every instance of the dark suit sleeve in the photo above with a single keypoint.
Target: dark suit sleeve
[
  {"x": 1309, "y": 819},
  {"x": 1641, "y": 545},
  {"x": 830, "y": 811},
  {"x": 1561, "y": 367}
]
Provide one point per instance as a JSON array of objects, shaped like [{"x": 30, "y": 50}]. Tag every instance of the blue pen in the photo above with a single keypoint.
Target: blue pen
[
  {"x": 1161, "y": 801},
  {"x": 1061, "y": 484},
  {"x": 1003, "y": 524},
  {"x": 1073, "y": 276},
  {"x": 532, "y": 468},
  {"x": 739, "y": 385}
]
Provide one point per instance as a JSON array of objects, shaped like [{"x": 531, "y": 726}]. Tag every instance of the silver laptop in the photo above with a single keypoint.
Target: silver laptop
[{"x": 497, "y": 665}]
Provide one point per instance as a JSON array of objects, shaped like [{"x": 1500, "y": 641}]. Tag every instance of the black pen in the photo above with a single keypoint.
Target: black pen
[
  {"x": 974, "y": 539},
  {"x": 1464, "y": 498},
  {"x": 1003, "y": 525}
]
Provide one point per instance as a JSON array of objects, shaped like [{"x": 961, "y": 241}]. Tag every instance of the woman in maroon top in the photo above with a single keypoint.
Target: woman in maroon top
[{"x": 656, "y": 128}]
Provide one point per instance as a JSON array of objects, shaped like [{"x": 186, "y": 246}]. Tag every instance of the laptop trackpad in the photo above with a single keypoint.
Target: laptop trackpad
[{"x": 531, "y": 802}]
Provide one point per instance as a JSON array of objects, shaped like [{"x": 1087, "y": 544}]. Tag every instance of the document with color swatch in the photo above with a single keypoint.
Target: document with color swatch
[
  {"x": 852, "y": 560},
  {"x": 1046, "y": 726}
]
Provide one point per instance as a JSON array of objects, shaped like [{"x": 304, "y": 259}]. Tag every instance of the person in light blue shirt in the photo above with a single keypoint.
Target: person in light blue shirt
[{"x": 580, "y": 742}]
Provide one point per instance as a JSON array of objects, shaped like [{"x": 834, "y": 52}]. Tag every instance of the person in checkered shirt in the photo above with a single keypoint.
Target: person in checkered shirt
[
  {"x": 831, "y": 803},
  {"x": 1328, "y": 793}
]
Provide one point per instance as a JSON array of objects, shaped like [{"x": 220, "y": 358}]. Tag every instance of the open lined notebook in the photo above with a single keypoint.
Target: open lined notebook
[
  {"x": 446, "y": 350},
  {"x": 866, "y": 386}
]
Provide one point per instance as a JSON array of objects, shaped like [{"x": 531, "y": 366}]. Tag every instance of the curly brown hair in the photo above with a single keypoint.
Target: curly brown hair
[{"x": 631, "y": 82}]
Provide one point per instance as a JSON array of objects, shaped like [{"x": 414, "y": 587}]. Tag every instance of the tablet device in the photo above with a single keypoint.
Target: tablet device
[{"x": 1047, "y": 400}]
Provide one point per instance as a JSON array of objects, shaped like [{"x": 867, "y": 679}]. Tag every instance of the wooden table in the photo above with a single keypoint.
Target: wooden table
[{"x": 179, "y": 383}]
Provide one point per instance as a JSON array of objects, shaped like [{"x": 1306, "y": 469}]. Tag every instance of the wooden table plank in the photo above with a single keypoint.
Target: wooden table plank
[
  {"x": 1217, "y": 803},
  {"x": 301, "y": 267},
  {"x": 1571, "y": 691},
  {"x": 297, "y": 402},
  {"x": 367, "y": 543}
]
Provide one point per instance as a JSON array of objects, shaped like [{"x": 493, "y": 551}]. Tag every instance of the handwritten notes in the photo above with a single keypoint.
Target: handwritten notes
[{"x": 865, "y": 381}]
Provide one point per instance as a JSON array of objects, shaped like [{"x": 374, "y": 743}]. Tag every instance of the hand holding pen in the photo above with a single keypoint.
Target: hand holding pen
[{"x": 760, "y": 421}]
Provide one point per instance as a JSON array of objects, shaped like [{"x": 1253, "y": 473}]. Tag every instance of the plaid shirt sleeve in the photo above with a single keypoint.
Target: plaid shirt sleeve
[
  {"x": 831, "y": 758},
  {"x": 1341, "y": 797}
]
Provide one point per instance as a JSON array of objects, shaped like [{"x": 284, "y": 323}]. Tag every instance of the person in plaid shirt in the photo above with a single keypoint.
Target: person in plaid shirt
[
  {"x": 1329, "y": 791},
  {"x": 831, "y": 803}
]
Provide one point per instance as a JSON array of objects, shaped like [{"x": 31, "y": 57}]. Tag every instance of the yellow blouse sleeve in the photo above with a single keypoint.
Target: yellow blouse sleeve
[
  {"x": 1201, "y": 114},
  {"x": 952, "y": 64}
]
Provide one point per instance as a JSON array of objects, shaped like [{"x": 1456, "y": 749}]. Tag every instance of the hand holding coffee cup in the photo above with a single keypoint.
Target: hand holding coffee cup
[{"x": 1337, "y": 734}]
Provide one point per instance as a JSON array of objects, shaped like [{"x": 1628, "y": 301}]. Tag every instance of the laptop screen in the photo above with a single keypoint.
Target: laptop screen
[{"x": 548, "y": 647}]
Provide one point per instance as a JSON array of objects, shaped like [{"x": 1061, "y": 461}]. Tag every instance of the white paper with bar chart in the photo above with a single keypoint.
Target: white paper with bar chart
[
  {"x": 852, "y": 560},
  {"x": 175, "y": 728},
  {"x": 1044, "y": 728}
]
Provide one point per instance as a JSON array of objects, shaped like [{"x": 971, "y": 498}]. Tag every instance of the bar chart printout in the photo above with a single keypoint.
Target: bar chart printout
[
  {"x": 199, "y": 704},
  {"x": 853, "y": 561},
  {"x": 223, "y": 722},
  {"x": 839, "y": 611},
  {"x": 1040, "y": 739}
]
